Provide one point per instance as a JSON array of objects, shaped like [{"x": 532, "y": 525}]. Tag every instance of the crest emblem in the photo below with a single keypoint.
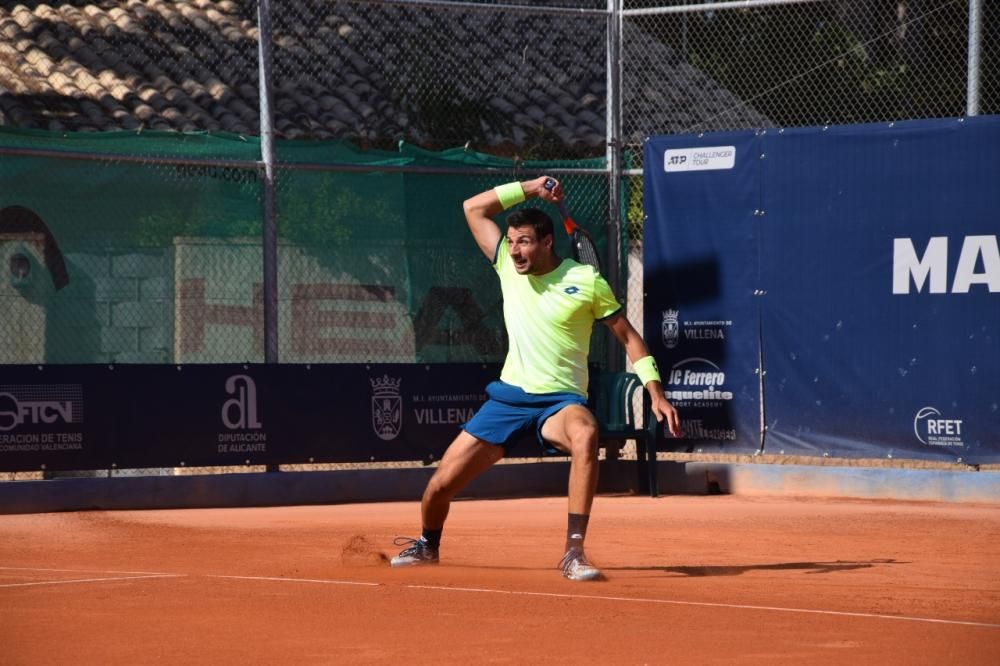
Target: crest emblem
[
  {"x": 387, "y": 407},
  {"x": 670, "y": 329}
]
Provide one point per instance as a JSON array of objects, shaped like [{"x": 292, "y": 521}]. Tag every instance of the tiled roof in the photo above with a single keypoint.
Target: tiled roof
[{"x": 372, "y": 73}]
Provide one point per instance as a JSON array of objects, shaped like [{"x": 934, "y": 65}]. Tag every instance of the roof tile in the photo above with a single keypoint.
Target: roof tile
[{"x": 376, "y": 72}]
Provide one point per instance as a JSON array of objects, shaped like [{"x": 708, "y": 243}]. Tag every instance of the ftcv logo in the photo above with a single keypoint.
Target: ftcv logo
[
  {"x": 670, "y": 328},
  {"x": 387, "y": 407},
  {"x": 933, "y": 430},
  {"x": 40, "y": 406}
]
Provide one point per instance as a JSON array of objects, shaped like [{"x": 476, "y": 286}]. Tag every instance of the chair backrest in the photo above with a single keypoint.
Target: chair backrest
[{"x": 614, "y": 404}]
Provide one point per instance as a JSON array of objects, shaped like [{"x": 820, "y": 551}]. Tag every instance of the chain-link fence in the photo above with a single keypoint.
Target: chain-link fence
[
  {"x": 134, "y": 227},
  {"x": 372, "y": 262},
  {"x": 783, "y": 63}
]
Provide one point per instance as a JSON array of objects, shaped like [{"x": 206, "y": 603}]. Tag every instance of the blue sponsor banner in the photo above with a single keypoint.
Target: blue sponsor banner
[
  {"x": 870, "y": 266},
  {"x": 201, "y": 415},
  {"x": 382, "y": 412},
  {"x": 321, "y": 413},
  {"x": 80, "y": 417},
  {"x": 881, "y": 317},
  {"x": 701, "y": 320},
  {"x": 54, "y": 418}
]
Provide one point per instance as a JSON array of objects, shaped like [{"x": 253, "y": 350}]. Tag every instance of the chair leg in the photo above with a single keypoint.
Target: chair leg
[
  {"x": 650, "y": 447},
  {"x": 642, "y": 464},
  {"x": 651, "y": 465}
]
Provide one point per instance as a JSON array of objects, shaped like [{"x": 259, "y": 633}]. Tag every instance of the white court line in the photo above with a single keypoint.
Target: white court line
[
  {"x": 707, "y": 604},
  {"x": 301, "y": 580},
  {"x": 674, "y": 602},
  {"x": 138, "y": 573},
  {"x": 89, "y": 580}
]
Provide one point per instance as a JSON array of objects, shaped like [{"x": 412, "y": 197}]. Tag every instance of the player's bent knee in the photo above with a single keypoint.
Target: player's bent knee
[
  {"x": 446, "y": 488},
  {"x": 441, "y": 488},
  {"x": 583, "y": 443}
]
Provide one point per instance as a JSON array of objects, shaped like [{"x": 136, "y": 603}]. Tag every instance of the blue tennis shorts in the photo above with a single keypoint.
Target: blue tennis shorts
[{"x": 510, "y": 414}]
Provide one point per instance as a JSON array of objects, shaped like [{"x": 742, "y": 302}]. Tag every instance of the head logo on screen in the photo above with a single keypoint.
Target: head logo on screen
[
  {"x": 670, "y": 328},
  {"x": 240, "y": 412},
  {"x": 387, "y": 407},
  {"x": 933, "y": 430}
]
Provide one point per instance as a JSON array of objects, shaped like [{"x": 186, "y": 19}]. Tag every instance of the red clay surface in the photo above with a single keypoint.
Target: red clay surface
[{"x": 690, "y": 580}]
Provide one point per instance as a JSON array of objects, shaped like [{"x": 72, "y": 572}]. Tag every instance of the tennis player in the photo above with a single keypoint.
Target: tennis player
[{"x": 550, "y": 304}]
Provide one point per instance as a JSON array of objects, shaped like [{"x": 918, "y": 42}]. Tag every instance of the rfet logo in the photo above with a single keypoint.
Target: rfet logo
[
  {"x": 387, "y": 407},
  {"x": 933, "y": 430}
]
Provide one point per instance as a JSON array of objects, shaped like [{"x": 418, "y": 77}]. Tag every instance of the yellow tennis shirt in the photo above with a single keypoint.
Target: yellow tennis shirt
[{"x": 549, "y": 319}]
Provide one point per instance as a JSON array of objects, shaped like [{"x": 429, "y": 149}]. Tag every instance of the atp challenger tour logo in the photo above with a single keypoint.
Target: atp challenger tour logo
[
  {"x": 933, "y": 430},
  {"x": 239, "y": 416},
  {"x": 699, "y": 159},
  {"x": 387, "y": 407}
]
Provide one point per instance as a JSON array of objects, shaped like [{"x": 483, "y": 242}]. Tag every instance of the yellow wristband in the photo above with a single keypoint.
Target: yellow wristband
[
  {"x": 509, "y": 194},
  {"x": 645, "y": 367}
]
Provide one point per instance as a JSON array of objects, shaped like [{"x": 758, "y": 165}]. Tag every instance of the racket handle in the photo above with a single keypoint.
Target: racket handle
[{"x": 550, "y": 184}]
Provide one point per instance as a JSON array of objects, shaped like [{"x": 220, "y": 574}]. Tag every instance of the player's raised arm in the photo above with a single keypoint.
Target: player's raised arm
[
  {"x": 645, "y": 367},
  {"x": 480, "y": 209}
]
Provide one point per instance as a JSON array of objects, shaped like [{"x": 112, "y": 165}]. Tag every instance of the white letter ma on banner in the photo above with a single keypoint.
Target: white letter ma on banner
[{"x": 933, "y": 265}]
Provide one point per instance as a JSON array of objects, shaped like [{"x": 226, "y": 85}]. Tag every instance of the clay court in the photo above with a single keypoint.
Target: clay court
[{"x": 689, "y": 580}]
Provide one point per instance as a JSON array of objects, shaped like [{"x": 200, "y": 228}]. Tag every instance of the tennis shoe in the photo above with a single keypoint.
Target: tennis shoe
[
  {"x": 418, "y": 553},
  {"x": 575, "y": 566}
]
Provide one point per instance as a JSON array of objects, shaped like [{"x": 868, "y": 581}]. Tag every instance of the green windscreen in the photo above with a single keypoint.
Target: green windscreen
[{"x": 146, "y": 248}]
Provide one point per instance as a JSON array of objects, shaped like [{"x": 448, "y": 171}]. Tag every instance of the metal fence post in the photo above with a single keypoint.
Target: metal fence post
[
  {"x": 975, "y": 46},
  {"x": 270, "y": 233},
  {"x": 615, "y": 361}
]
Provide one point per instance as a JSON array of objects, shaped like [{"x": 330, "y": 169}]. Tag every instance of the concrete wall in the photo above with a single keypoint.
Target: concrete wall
[
  {"x": 512, "y": 480},
  {"x": 200, "y": 301},
  {"x": 115, "y": 307}
]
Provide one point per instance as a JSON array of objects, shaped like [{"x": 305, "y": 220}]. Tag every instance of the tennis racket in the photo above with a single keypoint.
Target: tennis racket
[{"x": 582, "y": 245}]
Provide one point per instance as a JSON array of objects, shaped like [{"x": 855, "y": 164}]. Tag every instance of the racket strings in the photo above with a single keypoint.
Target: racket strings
[{"x": 585, "y": 251}]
